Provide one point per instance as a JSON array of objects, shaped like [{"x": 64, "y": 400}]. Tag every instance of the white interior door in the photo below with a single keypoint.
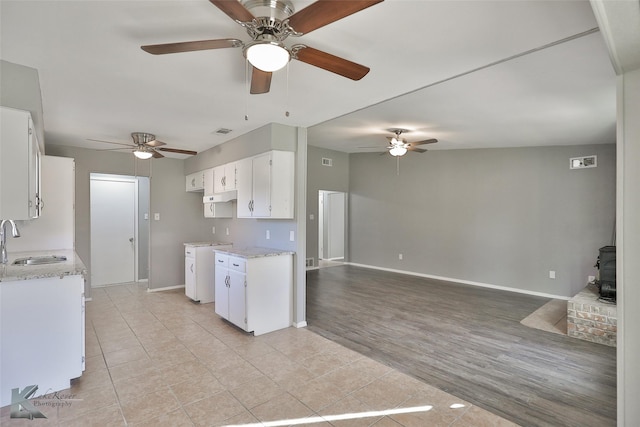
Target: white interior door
[{"x": 113, "y": 231}]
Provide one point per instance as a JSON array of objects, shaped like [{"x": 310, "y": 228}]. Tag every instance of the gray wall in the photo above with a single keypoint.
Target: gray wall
[
  {"x": 331, "y": 178},
  {"x": 20, "y": 89},
  {"x": 502, "y": 217},
  {"x": 180, "y": 221}
]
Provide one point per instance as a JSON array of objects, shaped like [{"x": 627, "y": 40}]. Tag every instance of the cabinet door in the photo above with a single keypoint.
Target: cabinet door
[
  {"x": 190, "y": 278},
  {"x": 244, "y": 186},
  {"x": 261, "y": 186},
  {"x": 230, "y": 176},
  {"x": 19, "y": 172},
  {"x": 219, "y": 178},
  {"x": 221, "y": 291},
  {"x": 237, "y": 302},
  {"x": 208, "y": 177}
]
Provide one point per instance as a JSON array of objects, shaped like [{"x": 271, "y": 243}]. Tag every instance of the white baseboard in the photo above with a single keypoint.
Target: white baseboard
[
  {"x": 168, "y": 288},
  {"x": 313, "y": 268},
  {"x": 465, "y": 282},
  {"x": 302, "y": 324}
]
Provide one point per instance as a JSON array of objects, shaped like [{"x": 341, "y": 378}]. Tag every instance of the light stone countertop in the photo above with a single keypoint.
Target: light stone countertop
[
  {"x": 208, "y": 244},
  {"x": 254, "y": 252},
  {"x": 71, "y": 267}
]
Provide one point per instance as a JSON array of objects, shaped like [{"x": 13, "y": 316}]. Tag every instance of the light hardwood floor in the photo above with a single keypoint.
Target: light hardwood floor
[{"x": 467, "y": 341}]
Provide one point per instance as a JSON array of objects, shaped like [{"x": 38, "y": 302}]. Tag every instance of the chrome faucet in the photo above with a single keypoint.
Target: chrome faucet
[{"x": 3, "y": 238}]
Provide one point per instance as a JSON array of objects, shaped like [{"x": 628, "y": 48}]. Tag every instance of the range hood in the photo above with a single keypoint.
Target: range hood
[{"x": 226, "y": 196}]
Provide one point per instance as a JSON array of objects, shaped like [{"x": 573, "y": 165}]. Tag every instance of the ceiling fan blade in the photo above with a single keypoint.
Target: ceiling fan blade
[
  {"x": 155, "y": 143},
  {"x": 157, "y": 155},
  {"x": 176, "y": 150},
  {"x": 417, "y": 150},
  {"x": 234, "y": 10},
  {"x": 111, "y": 142},
  {"x": 260, "y": 81},
  {"x": 329, "y": 62},
  {"x": 114, "y": 149},
  {"x": 324, "y": 12},
  {"x": 161, "y": 49},
  {"x": 426, "y": 141}
]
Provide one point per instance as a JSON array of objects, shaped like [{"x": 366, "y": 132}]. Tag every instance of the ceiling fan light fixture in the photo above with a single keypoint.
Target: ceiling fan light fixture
[
  {"x": 142, "y": 153},
  {"x": 397, "y": 150},
  {"x": 267, "y": 55}
]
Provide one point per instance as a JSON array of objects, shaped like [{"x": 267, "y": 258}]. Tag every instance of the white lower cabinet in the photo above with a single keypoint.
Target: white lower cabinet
[
  {"x": 199, "y": 271},
  {"x": 42, "y": 329},
  {"x": 255, "y": 294}
]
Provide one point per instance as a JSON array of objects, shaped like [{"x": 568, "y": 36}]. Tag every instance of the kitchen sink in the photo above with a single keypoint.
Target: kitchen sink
[{"x": 39, "y": 260}]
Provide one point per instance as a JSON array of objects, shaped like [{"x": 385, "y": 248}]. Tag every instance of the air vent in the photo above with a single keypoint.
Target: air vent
[
  {"x": 327, "y": 162},
  {"x": 583, "y": 162},
  {"x": 309, "y": 262},
  {"x": 223, "y": 131}
]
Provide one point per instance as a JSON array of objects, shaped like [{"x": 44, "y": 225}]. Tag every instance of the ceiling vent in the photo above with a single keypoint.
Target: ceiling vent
[
  {"x": 327, "y": 162},
  {"x": 583, "y": 162}
]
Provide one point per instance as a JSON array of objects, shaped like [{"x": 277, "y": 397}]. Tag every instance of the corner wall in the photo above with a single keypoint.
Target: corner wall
[{"x": 500, "y": 217}]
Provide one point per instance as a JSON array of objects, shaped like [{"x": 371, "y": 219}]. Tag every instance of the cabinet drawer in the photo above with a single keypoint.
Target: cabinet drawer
[
  {"x": 222, "y": 260},
  {"x": 237, "y": 264}
]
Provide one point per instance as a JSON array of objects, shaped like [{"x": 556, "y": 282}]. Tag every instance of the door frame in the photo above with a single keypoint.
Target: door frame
[
  {"x": 321, "y": 225},
  {"x": 134, "y": 181}
]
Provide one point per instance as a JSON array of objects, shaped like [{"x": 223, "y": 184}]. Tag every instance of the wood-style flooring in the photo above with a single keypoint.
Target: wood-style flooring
[{"x": 467, "y": 341}]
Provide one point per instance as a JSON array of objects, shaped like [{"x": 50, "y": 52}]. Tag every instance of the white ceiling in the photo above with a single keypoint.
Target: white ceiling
[{"x": 98, "y": 84}]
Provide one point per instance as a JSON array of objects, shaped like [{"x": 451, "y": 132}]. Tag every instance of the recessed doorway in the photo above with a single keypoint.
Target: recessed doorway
[{"x": 331, "y": 228}]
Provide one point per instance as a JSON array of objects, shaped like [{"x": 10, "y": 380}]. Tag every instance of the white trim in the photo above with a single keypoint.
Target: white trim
[
  {"x": 143, "y": 280},
  {"x": 465, "y": 282},
  {"x": 313, "y": 268},
  {"x": 167, "y": 288},
  {"x": 302, "y": 324},
  {"x": 88, "y": 299}
]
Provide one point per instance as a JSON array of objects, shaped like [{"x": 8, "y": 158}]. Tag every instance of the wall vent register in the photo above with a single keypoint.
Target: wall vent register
[
  {"x": 583, "y": 162},
  {"x": 327, "y": 162}
]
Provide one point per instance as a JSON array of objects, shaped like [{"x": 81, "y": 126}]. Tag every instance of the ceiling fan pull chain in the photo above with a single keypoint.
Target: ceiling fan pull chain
[
  {"x": 286, "y": 113},
  {"x": 246, "y": 89},
  {"x": 398, "y": 165}
]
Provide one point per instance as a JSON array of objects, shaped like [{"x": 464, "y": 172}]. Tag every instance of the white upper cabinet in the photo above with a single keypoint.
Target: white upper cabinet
[
  {"x": 225, "y": 178},
  {"x": 20, "y": 197},
  {"x": 265, "y": 185},
  {"x": 195, "y": 181}
]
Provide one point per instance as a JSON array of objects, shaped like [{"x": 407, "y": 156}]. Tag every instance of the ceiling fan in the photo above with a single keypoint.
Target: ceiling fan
[
  {"x": 272, "y": 22},
  {"x": 145, "y": 145},
  {"x": 399, "y": 147}
]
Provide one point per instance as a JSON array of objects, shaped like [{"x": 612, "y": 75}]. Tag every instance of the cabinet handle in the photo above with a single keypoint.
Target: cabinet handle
[
  {"x": 191, "y": 268},
  {"x": 236, "y": 265},
  {"x": 220, "y": 260}
]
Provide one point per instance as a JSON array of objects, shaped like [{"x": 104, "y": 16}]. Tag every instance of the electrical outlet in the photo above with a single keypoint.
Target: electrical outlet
[
  {"x": 213, "y": 230},
  {"x": 146, "y": 216},
  {"x": 552, "y": 274},
  {"x": 591, "y": 279},
  {"x": 268, "y": 235},
  {"x": 156, "y": 216},
  {"x": 400, "y": 256}
]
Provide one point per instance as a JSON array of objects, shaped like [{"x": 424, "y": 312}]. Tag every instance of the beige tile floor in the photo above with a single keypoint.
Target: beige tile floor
[{"x": 157, "y": 359}]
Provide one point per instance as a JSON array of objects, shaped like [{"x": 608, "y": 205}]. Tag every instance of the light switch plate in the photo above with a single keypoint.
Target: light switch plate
[{"x": 292, "y": 235}]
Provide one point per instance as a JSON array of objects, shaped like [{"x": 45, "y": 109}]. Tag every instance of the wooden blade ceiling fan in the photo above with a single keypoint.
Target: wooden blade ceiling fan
[
  {"x": 399, "y": 147},
  {"x": 145, "y": 145},
  {"x": 269, "y": 23}
]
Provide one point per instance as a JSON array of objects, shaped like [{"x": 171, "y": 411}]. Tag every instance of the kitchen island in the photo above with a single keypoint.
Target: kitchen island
[
  {"x": 254, "y": 288},
  {"x": 41, "y": 322}
]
